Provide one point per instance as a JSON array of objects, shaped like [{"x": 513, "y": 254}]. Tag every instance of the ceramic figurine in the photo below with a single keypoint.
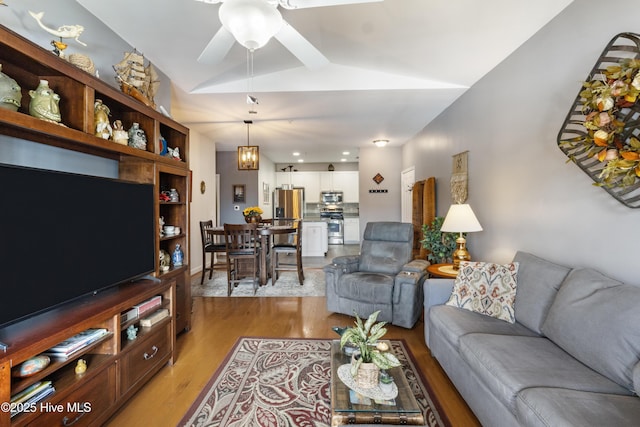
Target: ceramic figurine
[
  {"x": 81, "y": 367},
  {"x": 44, "y": 103},
  {"x": 177, "y": 257},
  {"x": 64, "y": 32},
  {"x": 132, "y": 333},
  {"x": 120, "y": 135},
  {"x": 137, "y": 137},
  {"x": 165, "y": 260},
  {"x": 174, "y": 196},
  {"x": 10, "y": 92},
  {"x": 174, "y": 153},
  {"x": 101, "y": 117}
]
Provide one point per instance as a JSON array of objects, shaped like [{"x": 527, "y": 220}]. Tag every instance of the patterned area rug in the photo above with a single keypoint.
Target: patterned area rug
[
  {"x": 287, "y": 285},
  {"x": 285, "y": 382}
]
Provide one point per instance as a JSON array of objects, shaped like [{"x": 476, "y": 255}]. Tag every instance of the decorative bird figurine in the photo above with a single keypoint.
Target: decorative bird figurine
[
  {"x": 339, "y": 330},
  {"x": 81, "y": 367}
]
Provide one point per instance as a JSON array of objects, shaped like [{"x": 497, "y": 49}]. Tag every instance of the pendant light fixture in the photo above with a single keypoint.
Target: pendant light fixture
[{"x": 248, "y": 155}]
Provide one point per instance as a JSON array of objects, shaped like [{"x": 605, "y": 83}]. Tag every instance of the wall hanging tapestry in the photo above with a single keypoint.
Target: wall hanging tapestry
[
  {"x": 601, "y": 132},
  {"x": 459, "y": 178}
]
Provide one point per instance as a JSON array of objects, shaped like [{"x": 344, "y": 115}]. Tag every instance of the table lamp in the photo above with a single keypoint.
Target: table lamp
[{"x": 460, "y": 219}]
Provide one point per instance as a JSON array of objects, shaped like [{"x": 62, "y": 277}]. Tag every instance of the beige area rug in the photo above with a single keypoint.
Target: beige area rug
[
  {"x": 286, "y": 383},
  {"x": 286, "y": 286}
]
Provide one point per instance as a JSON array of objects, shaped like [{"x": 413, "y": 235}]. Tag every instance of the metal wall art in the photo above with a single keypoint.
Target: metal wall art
[{"x": 601, "y": 133}]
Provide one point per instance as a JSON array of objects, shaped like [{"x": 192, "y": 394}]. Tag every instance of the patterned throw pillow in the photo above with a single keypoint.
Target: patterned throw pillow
[{"x": 486, "y": 288}]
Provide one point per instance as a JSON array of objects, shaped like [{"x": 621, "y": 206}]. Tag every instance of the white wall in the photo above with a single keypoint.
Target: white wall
[
  {"x": 522, "y": 190},
  {"x": 203, "y": 206}
]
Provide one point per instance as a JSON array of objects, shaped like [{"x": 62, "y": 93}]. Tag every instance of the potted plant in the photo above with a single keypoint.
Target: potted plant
[
  {"x": 368, "y": 359},
  {"x": 252, "y": 214},
  {"x": 440, "y": 245}
]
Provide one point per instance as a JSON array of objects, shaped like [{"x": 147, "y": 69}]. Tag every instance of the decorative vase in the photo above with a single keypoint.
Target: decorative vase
[
  {"x": 10, "y": 92},
  {"x": 44, "y": 103},
  {"x": 177, "y": 257},
  {"x": 252, "y": 218},
  {"x": 137, "y": 137}
]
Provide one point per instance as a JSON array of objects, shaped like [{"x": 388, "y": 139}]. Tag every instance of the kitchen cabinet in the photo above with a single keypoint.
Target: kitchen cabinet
[
  {"x": 315, "y": 241},
  {"x": 345, "y": 181},
  {"x": 352, "y": 230}
]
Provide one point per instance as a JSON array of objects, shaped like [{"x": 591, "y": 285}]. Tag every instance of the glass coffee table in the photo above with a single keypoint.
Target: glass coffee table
[{"x": 349, "y": 407}]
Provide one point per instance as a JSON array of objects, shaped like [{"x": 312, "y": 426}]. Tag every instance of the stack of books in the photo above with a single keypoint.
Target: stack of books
[
  {"x": 30, "y": 395},
  {"x": 68, "y": 347}
]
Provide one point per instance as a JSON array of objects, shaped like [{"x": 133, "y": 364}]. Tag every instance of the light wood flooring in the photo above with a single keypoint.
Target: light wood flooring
[{"x": 216, "y": 325}]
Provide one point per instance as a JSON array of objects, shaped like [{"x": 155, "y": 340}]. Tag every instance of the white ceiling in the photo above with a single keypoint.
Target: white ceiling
[{"x": 393, "y": 67}]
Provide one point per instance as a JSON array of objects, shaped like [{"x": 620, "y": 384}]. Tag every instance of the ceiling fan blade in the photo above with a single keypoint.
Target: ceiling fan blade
[
  {"x": 303, "y": 4},
  {"x": 217, "y": 48},
  {"x": 300, "y": 47}
]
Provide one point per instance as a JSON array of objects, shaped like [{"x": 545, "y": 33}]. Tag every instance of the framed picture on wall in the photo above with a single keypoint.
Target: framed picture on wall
[
  {"x": 238, "y": 193},
  {"x": 266, "y": 194}
]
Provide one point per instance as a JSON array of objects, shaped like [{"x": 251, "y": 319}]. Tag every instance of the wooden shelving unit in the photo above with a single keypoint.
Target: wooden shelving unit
[{"x": 116, "y": 370}]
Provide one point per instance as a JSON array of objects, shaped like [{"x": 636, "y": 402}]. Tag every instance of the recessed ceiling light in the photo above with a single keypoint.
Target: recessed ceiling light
[
  {"x": 345, "y": 153},
  {"x": 300, "y": 160},
  {"x": 295, "y": 153},
  {"x": 381, "y": 142},
  {"x": 343, "y": 160}
]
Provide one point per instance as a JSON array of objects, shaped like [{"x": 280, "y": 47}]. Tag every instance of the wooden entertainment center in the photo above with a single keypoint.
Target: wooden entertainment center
[{"x": 117, "y": 367}]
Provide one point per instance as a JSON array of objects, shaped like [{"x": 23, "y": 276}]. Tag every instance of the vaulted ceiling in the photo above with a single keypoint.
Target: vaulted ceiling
[{"x": 393, "y": 66}]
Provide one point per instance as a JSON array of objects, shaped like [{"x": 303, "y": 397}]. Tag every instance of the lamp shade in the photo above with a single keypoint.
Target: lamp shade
[
  {"x": 460, "y": 219},
  {"x": 252, "y": 22}
]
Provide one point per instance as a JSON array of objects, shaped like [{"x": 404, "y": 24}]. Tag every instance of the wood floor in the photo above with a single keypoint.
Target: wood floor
[{"x": 216, "y": 325}]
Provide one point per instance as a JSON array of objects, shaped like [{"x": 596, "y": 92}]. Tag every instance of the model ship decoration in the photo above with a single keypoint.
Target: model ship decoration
[{"x": 137, "y": 80}]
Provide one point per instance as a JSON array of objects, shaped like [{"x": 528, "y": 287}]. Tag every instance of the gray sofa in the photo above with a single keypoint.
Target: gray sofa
[
  {"x": 570, "y": 359},
  {"x": 383, "y": 277}
]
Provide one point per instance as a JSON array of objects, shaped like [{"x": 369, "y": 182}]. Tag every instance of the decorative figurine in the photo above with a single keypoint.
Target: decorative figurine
[
  {"x": 120, "y": 135},
  {"x": 137, "y": 80},
  {"x": 10, "y": 92},
  {"x": 177, "y": 257},
  {"x": 101, "y": 117},
  {"x": 44, "y": 103},
  {"x": 137, "y": 137},
  {"x": 81, "y": 367},
  {"x": 174, "y": 196},
  {"x": 165, "y": 260},
  {"x": 64, "y": 32},
  {"x": 132, "y": 333},
  {"x": 174, "y": 153}
]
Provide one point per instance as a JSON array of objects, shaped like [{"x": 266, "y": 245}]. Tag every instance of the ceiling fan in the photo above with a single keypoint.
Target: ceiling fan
[{"x": 252, "y": 23}]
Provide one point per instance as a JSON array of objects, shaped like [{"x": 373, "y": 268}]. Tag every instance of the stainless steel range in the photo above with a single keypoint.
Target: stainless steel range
[{"x": 332, "y": 215}]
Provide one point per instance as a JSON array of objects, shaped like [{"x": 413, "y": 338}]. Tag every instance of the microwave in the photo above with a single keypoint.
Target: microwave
[{"x": 331, "y": 197}]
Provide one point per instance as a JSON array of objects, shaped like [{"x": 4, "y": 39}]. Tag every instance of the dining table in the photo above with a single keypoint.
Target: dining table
[{"x": 265, "y": 231}]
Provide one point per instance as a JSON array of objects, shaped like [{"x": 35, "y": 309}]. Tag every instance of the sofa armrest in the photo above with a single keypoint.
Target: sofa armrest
[
  {"x": 344, "y": 264},
  {"x": 437, "y": 292}
]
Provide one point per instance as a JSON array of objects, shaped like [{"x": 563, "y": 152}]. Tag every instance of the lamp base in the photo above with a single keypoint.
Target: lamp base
[{"x": 461, "y": 253}]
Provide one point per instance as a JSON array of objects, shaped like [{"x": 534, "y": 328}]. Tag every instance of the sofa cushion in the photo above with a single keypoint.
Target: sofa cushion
[
  {"x": 486, "y": 288},
  {"x": 543, "y": 407},
  {"x": 453, "y": 323},
  {"x": 366, "y": 287},
  {"x": 509, "y": 364},
  {"x": 596, "y": 319},
  {"x": 538, "y": 283}
]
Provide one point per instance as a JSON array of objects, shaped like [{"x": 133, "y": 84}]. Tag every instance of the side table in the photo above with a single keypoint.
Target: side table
[{"x": 445, "y": 271}]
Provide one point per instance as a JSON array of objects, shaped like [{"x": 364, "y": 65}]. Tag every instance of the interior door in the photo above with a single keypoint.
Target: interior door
[{"x": 407, "y": 179}]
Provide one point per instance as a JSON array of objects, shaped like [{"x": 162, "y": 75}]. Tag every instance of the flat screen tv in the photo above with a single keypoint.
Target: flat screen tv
[{"x": 66, "y": 235}]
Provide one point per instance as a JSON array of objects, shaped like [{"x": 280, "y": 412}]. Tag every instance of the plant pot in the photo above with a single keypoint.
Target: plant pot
[
  {"x": 253, "y": 218},
  {"x": 367, "y": 375}
]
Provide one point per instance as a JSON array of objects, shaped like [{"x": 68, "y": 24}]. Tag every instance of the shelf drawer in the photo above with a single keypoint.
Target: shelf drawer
[
  {"x": 145, "y": 357},
  {"x": 82, "y": 406}
]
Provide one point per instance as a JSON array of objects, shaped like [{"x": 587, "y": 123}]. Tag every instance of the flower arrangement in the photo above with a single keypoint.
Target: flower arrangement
[
  {"x": 607, "y": 102},
  {"x": 252, "y": 211}
]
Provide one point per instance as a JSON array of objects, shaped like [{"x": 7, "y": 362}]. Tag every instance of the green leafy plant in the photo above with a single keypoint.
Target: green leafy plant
[
  {"x": 365, "y": 336},
  {"x": 440, "y": 245}
]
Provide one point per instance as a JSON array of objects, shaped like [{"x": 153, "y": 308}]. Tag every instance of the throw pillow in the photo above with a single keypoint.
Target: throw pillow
[{"x": 486, "y": 288}]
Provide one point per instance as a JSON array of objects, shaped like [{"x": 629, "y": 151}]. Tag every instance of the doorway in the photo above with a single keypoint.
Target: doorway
[{"x": 407, "y": 179}]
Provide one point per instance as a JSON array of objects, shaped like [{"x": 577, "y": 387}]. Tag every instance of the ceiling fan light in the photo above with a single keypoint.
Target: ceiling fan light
[{"x": 252, "y": 22}]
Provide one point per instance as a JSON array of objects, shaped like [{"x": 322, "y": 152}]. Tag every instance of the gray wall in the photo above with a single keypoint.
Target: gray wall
[
  {"x": 522, "y": 190},
  {"x": 227, "y": 167}
]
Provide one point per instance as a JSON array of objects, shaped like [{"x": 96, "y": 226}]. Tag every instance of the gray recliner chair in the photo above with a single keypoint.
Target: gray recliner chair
[{"x": 383, "y": 277}]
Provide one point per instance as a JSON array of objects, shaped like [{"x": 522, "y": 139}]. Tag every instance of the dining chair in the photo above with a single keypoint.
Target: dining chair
[
  {"x": 291, "y": 246},
  {"x": 210, "y": 246},
  {"x": 242, "y": 243}
]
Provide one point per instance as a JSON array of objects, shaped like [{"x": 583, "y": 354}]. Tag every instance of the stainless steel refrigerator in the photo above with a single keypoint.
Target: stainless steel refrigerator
[{"x": 288, "y": 203}]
